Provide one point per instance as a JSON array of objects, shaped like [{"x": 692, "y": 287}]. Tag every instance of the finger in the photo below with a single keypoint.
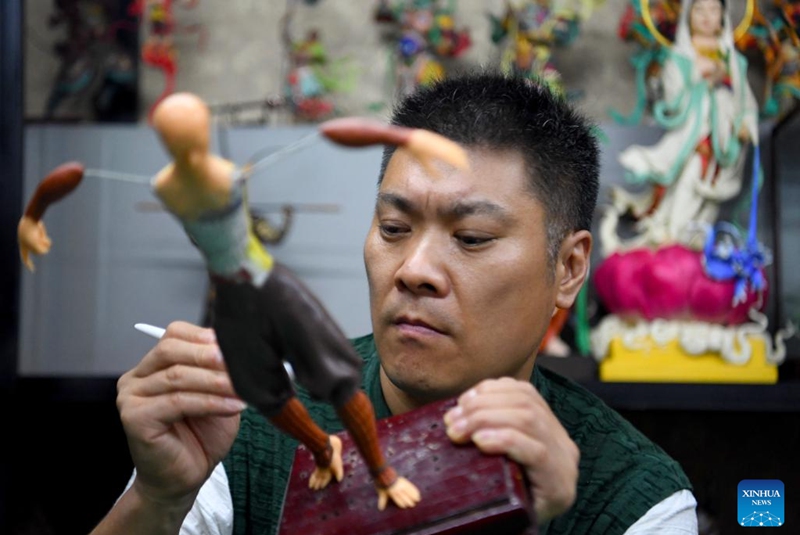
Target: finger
[
  {"x": 411, "y": 496},
  {"x": 430, "y": 169},
  {"x": 171, "y": 351},
  {"x": 177, "y": 406},
  {"x": 495, "y": 390},
  {"x": 383, "y": 498},
  {"x": 530, "y": 421},
  {"x": 404, "y": 501},
  {"x": 40, "y": 247},
  {"x": 26, "y": 259},
  {"x": 504, "y": 384},
  {"x": 182, "y": 378},
  {"x": 489, "y": 401},
  {"x": 403, "y": 493},
  {"x": 431, "y": 145},
  {"x": 502, "y": 393},
  {"x": 183, "y": 330},
  {"x": 520, "y": 447}
]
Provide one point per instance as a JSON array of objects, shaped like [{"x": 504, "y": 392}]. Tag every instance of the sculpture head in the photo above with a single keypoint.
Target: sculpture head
[{"x": 182, "y": 121}]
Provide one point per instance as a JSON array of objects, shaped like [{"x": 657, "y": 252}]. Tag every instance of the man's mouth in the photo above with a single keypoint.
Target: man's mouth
[{"x": 412, "y": 324}]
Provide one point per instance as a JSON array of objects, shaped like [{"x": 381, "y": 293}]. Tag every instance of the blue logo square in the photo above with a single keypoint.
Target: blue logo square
[{"x": 761, "y": 503}]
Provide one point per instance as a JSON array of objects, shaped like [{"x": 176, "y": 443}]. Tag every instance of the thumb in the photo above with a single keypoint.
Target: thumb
[{"x": 26, "y": 259}]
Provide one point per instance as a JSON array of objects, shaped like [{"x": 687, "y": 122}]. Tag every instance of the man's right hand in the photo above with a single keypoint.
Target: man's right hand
[{"x": 180, "y": 414}]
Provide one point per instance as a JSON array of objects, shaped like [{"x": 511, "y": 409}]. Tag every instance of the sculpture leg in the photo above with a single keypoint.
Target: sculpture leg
[
  {"x": 294, "y": 420},
  {"x": 252, "y": 354},
  {"x": 358, "y": 417}
]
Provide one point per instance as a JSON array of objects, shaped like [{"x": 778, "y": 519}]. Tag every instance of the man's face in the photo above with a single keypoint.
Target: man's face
[{"x": 460, "y": 285}]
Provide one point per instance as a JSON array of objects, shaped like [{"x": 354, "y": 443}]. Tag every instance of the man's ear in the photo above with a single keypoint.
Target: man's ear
[{"x": 572, "y": 267}]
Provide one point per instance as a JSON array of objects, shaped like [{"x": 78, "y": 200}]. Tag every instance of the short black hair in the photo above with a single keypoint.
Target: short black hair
[{"x": 492, "y": 111}]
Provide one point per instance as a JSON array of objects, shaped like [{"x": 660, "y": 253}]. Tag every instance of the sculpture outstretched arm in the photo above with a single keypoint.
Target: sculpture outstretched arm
[
  {"x": 426, "y": 146},
  {"x": 31, "y": 232}
]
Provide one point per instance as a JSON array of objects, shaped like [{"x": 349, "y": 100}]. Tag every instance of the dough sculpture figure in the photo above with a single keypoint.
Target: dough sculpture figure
[{"x": 263, "y": 314}]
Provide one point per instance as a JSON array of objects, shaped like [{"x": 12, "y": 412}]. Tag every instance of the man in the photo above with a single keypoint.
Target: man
[{"x": 465, "y": 270}]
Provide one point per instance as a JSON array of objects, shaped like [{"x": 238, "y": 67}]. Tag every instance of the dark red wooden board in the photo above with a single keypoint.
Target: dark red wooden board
[{"x": 463, "y": 490}]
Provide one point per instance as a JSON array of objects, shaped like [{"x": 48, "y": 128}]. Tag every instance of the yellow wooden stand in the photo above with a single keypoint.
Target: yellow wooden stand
[{"x": 669, "y": 363}]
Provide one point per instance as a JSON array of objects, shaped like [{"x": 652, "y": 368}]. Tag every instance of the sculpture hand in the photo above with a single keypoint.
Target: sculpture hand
[
  {"x": 32, "y": 237},
  {"x": 322, "y": 476},
  {"x": 402, "y": 492},
  {"x": 31, "y": 231},
  {"x": 427, "y": 147}
]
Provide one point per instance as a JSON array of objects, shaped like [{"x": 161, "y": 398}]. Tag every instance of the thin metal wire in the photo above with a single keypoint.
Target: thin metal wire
[
  {"x": 114, "y": 175},
  {"x": 249, "y": 168},
  {"x": 257, "y": 162}
]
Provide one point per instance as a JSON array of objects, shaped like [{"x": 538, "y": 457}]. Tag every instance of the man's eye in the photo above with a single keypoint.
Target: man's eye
[
  {"x": 390, "y": 230},
  {"x": 473, "y": 241}
]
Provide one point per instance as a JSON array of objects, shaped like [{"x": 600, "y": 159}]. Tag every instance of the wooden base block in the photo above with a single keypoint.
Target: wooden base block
[
  {"x": 463, "y": 491},
  {"x": 671, "y": 364}
]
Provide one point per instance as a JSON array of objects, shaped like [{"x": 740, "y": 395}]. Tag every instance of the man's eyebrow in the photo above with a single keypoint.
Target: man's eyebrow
[
  {"x": 396, "y": 201},
  {"x": 457, "y": 210},
  {"x": 463, "y": 209}
]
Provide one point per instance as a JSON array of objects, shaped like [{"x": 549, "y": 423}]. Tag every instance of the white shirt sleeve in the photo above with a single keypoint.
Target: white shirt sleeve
[
  {"x": 212, "y": 512},
  {"x": 674, "y": 515}
]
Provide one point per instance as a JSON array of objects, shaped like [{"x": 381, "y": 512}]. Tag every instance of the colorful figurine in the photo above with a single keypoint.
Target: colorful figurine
[
  {"x": 679, "y": 288},
  {"x": 775, "y": 32},
  {"x": 306, "y": 86},
  {"x": 312, "y": 78},
  {"x": 263, "y": 314},
  {"x": 652, "y": 24},
  {"x": 96, "y": 70},
  {"x": 648, "y": 60},
  {"x": 427, "y": 36},
  {"x": 711, "y": 117},
  {"x": 530, "y": 29},
  {"x": 158, "y": 50}
]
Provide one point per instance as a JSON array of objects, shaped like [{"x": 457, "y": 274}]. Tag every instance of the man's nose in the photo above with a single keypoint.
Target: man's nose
[{"x": 423, "y": 269}]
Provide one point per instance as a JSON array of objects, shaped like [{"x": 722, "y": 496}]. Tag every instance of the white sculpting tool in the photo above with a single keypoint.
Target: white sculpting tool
[{"x": 158, "y": 332}]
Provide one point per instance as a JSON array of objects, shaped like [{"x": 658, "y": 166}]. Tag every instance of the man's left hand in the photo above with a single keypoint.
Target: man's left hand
[{"x": 507, "y": 416}]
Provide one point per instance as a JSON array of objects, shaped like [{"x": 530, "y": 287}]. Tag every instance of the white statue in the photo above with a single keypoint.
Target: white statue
[{"x": 710, "y": 115}]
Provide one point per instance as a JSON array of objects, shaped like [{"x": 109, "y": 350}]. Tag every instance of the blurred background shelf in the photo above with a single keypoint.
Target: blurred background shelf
[{"x": 781, "y": 397}]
